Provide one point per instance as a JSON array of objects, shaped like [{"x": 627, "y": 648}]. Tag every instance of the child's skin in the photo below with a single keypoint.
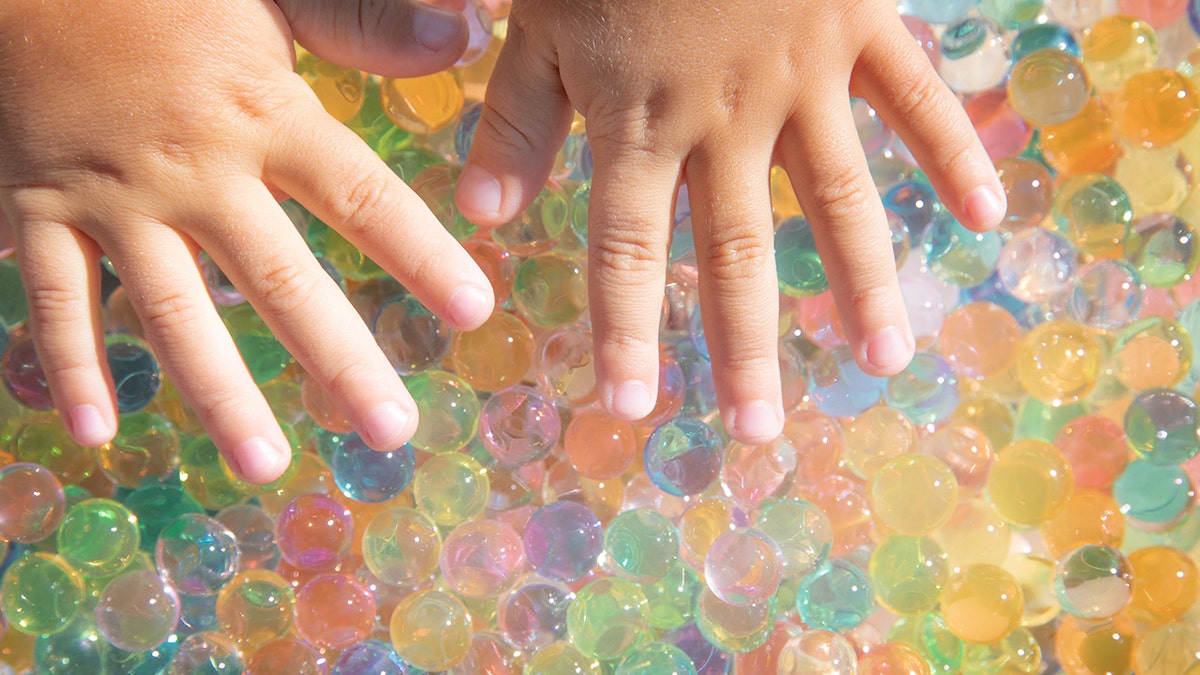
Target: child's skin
[{"x": 148, "y": 130}]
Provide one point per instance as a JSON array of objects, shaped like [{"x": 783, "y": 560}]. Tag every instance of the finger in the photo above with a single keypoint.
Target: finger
[
  {"x": 629, "y": 223},
  {"x": 525, "y": 118},
  {"x": 897, "y": 78},
  {"x": 336, "y": 176},
  {"x": 820, "y": 151},
  {"x": 400, "y": 38},
  {"x": 739, "y": 292},
  {"x": 308, "y": 313},
  {"x": 164, "y": 284},
  {"x": 60, "y": 270}
]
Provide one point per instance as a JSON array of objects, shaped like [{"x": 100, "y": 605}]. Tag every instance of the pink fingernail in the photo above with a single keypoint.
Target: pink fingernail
[
  {"x": 385, "y": 422},
  {"x": 469, "y": 307},
  {"x": 258, "y": 461},
  {"x": 984, "y": 207},
  {"x": 631, "y": 400},
  {"x": 888, "y": 351},
  {"x": 756, "y": 422},
  {"x": 88, "y": 426},
  {"x": 480, "y": 191}
]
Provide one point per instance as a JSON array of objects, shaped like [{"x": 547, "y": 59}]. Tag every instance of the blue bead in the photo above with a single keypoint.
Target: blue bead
[{"x": 366, "y": 475}]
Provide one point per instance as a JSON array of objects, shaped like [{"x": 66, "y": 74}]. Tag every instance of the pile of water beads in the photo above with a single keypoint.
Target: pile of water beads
[{"x": 1021, "y": 499}]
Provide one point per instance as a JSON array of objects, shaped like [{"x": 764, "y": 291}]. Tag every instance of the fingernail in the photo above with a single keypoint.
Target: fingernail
[
  {"x": 436, "y": 30},
  {"x": 480, "y": 190},
  {"x": 383, "y": 423},
  {"x": 258, "y": 461},
  {"x": 756, "y": 422},
  {"x": 631, "y": 400},
  {"x": 469, "y": 307},
  {"x": 88, "y": 426},
  {"x": 984, "y": 207},
  {"x": 888, "y": 351}
]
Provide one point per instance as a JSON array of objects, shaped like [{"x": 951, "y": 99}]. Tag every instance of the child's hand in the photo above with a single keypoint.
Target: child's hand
[
  {"x": 148, "y": 130},
  {"x": 712, "y": 92}
]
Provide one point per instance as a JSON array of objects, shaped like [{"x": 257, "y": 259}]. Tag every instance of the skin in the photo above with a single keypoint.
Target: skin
[
  {"x": 152, "y": 130},
  {"x": 712, "y": 93}
]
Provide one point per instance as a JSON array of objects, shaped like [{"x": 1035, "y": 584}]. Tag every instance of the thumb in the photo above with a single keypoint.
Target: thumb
[
  {"x": 525, "y": 118},
  {"x": 394, "y": 38}
]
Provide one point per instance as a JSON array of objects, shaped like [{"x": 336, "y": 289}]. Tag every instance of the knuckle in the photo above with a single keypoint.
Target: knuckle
[
  {"x": 283, "y": 286},
  {"x": 169, "y": 313},
  {"x": 872, "y": 296},
  {"x": 749, "y": 361},
  {"x": 918, "y": 98},
  {"x": 51, "y": 300},
  {"x": 842, "y": 195},
  {"x": 364, "y": 205},
  {"x": 506, "y": 137},
  {"x": 614, "y": 344},
  {"x": 217, "y": 406},
  {"x": 346, "y": 379},
  {"x": 735, "y": 254},
  {"x": 623, "y": 251}
]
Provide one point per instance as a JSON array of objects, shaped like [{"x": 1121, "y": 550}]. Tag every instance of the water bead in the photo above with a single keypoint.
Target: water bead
[
  {"x": 32, "y": 503},
  {"x": 333, "y": 611},
  {"x": 44, "y": 440},
  {"x": 1089, "y": 517},
  {"x": 401, "y": 546},
  {"x": 836, "y": 597},
  {"x": 683, "y": 456},
  {"x": 1029, "y": 482},
  {"x": 1162, "y": 248},
  {"x": 817, "y": 652},
  {"x": 601, "y": 447},
  {"x": 1017, "y": 654},
  {"x": 641, "y": 545},
  {"x": 1058, "y": 362},
  {"x": 1093, "y": 582},
  {"x": 561, "y": 658},
  {"x": 907, "y": 573},
  {"x": 40, "y": 594},
  {"x": 265, "y": 357},
  {"x": 481, "y": 559},
  {"x": 77, "y": 648},
  {"x": 537, "y": 227},
  {"x": 957, "y": 255},
  {"x": 422, "y": 105},
  {"x": 982, "y": 603},
  {"x": 1048, "y": 87},
  {"x": 23, "y": 375},
  {"x": 743, "y": 566},
  {"x": 655, "y": 658},
  {"x": 801, "y": 530},
  {"x": 965, "y": 449},
  {"x": 1085, "y": 143},
  {"x": 493, "y": 356},
  {"x": 1165, "y": 584},
  {"x": 926, "y": 390},
  {"x": 196, "y": 554},
  {"x": 892, "y": 658},
  {"x": 1156, "y": 107},
  {"x": 1029, "y": 189},
  {"x": 875, "y": 437},
  {"x": 607, "y": 617},
  {"x": 1161, "y": 426},
  {"x": 146, "y": 447},
  {"x": 1117, "y": 47},
  {"x": 1107, "y": 294},
  {"x": 340, "y": 89},
  {"x": 1167, "y": 649},
  {"x": 156, "y": 506},
  {"x": 914, "y": 494},
  {"x": 1152, "y": 493},
  {"x": 369, "y": 657},
  {"x": 1044, "y": 36},
  {"x": 550, "y": 289},
  {"x": 1036, "y": 264},
  {"x": 936, "y": 12},
  {"x": 562, "y": 540},
  {"x": 287, "y": 656},
  {"x": 451, "y": 488},
  {"x": 255, "y": 607},
  {"x": 430, "y": 629},
  {"x": 519, "y": 424},
  {"x": 14, "y": 307},
  {"x": 797, "y": 262},
  {"x": 448, "y": 408},
  {"x": 134, "y": 371},
  {"x": 563, "y": 365},
  {"x": 839, "y": 387},
  {"x": 313, "y": 531},
  {"x": 752, "y": 473},
  {"x": 534, "y": 614},
  {"x": 412, "y": 337},
  {"x": 1096, "y": 646},
  {"x": 137, "y": 611},
  {"x": 974, "y": 56},
  {"x": 207, "y": 652},
  {"x": 497, "y": 264},
  {"x": 1003, "y": 132},
  {"x": 98, "y": 537},
  {"x": 367, "y": 475}
]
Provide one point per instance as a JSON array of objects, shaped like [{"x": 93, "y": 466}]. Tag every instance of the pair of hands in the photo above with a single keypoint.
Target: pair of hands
[{"x": 148, "y": 131}]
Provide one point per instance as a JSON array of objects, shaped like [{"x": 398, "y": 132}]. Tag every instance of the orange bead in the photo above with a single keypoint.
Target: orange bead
[{"x": 1085, "y": 143}]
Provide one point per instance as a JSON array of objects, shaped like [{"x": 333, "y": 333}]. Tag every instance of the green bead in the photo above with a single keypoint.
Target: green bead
[
  {"x": 550, "y": 289},
  {"x": 798, "y": 266},
  {"x": 608, "y": 618},
  {"x": 14, "y": 308},
  {"x": 908, "y": 573},
  {"x": 98, "y": 537},
  {"x": 41, "y": 594},
  {"x": 265, "y": 357}
]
